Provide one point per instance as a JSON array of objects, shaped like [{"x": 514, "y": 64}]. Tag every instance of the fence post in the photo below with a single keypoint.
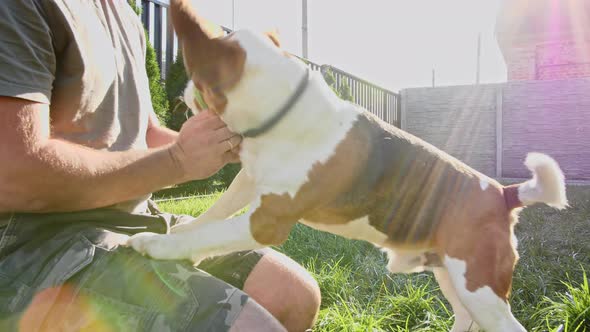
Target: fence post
[
  {"x": 499, "y": 138},
  {"x": 145, "y": 15},
  {"x": 170, "y": 56},
  {"x": 158, "y": 33},
  {"x": 403, "y": 110}
]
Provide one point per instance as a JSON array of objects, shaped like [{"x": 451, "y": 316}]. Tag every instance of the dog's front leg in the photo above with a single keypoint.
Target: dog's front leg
[
  {"x": 241, "y": 191},
  {"x": 202, "y": 241},
  {"x": 261, "y": 226}
]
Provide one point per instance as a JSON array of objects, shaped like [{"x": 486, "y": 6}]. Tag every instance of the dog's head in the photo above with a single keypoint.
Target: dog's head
[{"x": 243, "y": 76}]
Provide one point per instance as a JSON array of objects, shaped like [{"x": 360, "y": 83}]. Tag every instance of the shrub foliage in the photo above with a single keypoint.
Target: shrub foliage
[{"x": 159, "y": 99}]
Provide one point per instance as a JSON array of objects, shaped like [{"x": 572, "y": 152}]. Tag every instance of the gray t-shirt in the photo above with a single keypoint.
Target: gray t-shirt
[{"x": 86, "y": 58}]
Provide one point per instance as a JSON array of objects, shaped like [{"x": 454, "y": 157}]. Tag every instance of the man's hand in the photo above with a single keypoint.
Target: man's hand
[{"x": 204, "y": 145}]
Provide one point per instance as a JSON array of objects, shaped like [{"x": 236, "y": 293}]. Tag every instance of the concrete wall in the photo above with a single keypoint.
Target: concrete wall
[
  {"x": 551, "y": 117},
  {"x": 459, "y": 120},
  {"x": 493, "y": 127}
]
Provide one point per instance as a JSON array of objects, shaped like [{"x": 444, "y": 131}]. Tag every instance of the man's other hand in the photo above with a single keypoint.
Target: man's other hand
[{"x": 204, "y": 145}]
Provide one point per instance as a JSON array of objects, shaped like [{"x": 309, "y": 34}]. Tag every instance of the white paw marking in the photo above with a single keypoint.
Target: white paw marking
[
  {"x": 155, "y": 245},
  {"x": 490, "y": 311},
  {"x": 484, "y": 184}
]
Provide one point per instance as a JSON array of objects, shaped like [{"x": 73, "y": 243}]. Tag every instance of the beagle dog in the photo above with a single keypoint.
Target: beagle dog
[{"x": 312, "y": 158}]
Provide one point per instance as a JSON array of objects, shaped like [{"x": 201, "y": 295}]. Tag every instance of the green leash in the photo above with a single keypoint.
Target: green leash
[{"x": 199, "y": 99}]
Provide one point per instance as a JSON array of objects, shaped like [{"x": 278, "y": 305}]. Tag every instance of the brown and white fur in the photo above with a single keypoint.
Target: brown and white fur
[{"x": 334, "y": 167}]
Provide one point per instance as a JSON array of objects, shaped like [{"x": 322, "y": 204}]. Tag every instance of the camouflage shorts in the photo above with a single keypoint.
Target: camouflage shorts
[{"x": 67, "y": 272}]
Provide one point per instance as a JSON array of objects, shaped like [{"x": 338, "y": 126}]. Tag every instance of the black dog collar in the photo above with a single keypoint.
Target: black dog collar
[{"x": 270, "y": 123}]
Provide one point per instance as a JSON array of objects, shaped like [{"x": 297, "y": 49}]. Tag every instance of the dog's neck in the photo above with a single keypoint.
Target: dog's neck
[
  {"x": 307, "y": 135},
  {"x": 264, "y": 92}
]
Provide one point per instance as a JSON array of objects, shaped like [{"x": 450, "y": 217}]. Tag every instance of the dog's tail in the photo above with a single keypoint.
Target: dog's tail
[{"x": 547, "y": 185}]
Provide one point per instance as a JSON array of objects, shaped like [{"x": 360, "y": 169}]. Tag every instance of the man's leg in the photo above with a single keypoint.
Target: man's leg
[
  {"x": 285, "y": 289},
  {"x": 274, "y": 280},
  {"x": 76, "y": 278},
  {"x": 123, "y": 291},
  {"x": 254, "y": 318}
]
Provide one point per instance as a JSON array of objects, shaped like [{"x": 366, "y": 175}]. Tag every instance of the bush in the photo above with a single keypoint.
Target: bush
[
  {"x": 159, "y": 99},
  {"x": 330, "y": 80},
  {"x": 175, "y": 84},
  {"x": 343, "y": 91},
  {"x": 176, "y": 79},
  {"x": 135, "y": 8}
]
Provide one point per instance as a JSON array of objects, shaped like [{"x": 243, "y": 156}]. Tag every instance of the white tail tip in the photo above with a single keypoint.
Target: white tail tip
[{"x": 547, "y": 185}]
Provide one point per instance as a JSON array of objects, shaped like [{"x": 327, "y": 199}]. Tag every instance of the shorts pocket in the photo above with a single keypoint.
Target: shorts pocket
[
  {"x": 14, "y": 295},
  {"x": 48, "y": 262},
  {"x": 76, "y": 255},
  {"x": 95, "y": 311},
  {"x": 137, "y": 292}
]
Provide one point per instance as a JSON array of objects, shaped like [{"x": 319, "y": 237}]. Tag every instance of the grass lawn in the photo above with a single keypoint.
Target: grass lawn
[{"x": 550, "y": 291}]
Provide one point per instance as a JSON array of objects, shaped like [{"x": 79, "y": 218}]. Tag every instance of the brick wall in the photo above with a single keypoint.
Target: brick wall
[
  {"x": 548, "y": 60},
  {"x": 520, "y": 63},
  {"x": 493, "y": 127}
]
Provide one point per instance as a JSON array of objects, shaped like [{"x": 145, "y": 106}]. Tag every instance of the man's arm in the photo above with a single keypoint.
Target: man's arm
[
  {"x": 158, "y": 135},
  {"x": 39, "y": 173}
]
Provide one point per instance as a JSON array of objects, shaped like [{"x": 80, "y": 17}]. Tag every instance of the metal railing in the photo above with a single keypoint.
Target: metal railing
[
  {"x": 154, "y": 16},
  {"x": 381, "y": 102}
]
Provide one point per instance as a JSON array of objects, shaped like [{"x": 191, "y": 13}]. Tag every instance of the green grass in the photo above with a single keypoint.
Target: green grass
[
  {"x": 192, "y": 206},
  {"x": 550, "y": 291}
]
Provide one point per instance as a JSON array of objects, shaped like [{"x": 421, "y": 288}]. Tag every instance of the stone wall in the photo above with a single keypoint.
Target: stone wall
[{"x": 492, "y": 127}]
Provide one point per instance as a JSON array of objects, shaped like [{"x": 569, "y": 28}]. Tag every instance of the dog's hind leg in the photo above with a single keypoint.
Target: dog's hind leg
[
  {"x": 463, "y": 321},
  {"x": 240, "y": 193},
  {"x": 482, "y": 278}
]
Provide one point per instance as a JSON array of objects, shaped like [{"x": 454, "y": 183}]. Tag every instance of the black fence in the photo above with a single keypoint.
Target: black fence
[
  {"x": 381, "y": 102},
  {"x": 154, "y": 16}
]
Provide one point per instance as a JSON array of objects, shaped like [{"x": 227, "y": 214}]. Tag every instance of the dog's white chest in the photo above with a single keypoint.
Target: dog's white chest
[{"x": 281, "y": 165}]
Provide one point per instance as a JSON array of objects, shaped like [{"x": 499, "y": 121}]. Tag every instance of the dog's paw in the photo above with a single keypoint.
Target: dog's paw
[
  {"x": 197, "y": 258},
  {"x": 157, "y": 246},
  {"x": 191, "y": 226},
  {"x": 182, "y": 228}
]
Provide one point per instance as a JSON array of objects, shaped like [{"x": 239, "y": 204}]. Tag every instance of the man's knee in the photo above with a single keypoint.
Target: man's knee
[
  {"x": 254, "y": 317},
  {"x": 285, "y": 289}
]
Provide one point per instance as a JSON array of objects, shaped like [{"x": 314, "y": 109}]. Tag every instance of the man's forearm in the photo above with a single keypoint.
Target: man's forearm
[
  {"x": 158, "y": 136},
  {"x": 61, "y": 176}
]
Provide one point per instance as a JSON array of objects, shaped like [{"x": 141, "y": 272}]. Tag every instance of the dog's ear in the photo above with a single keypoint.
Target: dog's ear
[
  {"x": 215, "y": 63},
  {"x": 274, "y": 37}
]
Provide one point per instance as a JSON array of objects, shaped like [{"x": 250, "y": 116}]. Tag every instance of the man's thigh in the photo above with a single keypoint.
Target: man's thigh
[
  {"x": 133, "y": 292},
  {"x": 121, "y": 290},
  {"x": 234, "y": 268},
  {"x": 79, "y": 278}
]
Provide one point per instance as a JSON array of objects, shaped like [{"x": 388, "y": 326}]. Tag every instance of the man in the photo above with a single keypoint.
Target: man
[{"x": 80, "y": 151}]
